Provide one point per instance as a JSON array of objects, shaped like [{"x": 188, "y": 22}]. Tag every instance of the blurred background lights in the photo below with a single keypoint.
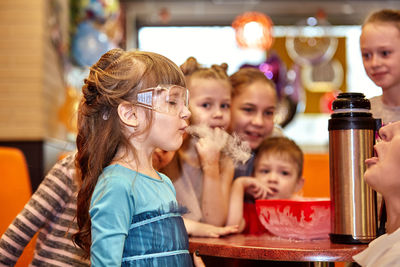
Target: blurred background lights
[
  {"x": 267, "y": 69},
  {"x": 312, "y": 21},
  {"x": 253, "y": 30}
]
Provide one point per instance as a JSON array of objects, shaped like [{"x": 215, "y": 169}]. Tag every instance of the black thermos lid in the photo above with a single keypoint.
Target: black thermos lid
[
  {"x": 351, "y": 111},
  {"x": 351, "y": 101}
]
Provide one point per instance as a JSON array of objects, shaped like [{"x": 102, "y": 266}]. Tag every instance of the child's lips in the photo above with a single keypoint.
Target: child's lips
[
  {"x": 253, "y": 135},
  {"x": 378, "y": 75},
  {"x": 183, "y": 129},
  {"x": 274, "y": 192},
  {"x": 371, "y": 161}
]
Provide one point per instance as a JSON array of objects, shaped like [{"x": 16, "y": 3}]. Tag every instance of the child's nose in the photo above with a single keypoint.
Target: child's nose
[
  {"x": 375, "y": 60},
  {"x": 185, "y": 114},
  {"x": 272, "y": 177},
  {"x": 257, "y": 119},
  {"x": 218, "y": 113}
]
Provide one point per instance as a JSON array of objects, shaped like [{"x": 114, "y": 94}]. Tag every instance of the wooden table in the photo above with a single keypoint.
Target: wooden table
[{"x": 266, "y": 247}]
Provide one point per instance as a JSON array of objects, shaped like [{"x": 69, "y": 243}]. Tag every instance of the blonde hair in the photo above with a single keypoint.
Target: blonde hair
[
  {"x": 192, "y": 70},
  {"x": 384, "y": 16}
]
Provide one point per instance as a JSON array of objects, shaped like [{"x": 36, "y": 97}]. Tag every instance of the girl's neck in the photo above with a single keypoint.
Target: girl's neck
[
  {"x": 393, "y": 215},
  {"x": 143, "y": 163},
  {"x": 391, "y": 96},
  {"x": 188, "y": 152}
]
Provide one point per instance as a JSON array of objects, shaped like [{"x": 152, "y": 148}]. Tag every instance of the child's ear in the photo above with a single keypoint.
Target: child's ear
[
  {"x": 299, "y": 184},
  {"x": 128, "y": 114}
]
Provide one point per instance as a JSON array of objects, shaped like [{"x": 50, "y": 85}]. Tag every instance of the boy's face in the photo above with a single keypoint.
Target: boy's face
[{"x": 278, "y": 173}]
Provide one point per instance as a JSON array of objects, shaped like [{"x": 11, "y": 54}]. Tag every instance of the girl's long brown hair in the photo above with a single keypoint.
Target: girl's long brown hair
[{"x": 116, "y": 77}]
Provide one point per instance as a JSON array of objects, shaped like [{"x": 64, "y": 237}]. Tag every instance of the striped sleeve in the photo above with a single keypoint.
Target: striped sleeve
[{"x": 45, "y": 204}]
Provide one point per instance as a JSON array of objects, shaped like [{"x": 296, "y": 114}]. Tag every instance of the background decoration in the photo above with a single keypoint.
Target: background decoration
[
  {"x": 292, "y": 99},
  {"x": 319, "y": 56},
  {"x": 311, "y": 50},
  {"x": 99, "y": 10},
  {"x": 310, "y": 43},
  {"x": 325, "y": 103},
  {"x": 287, "y": 87},
  {"x": 89, "y": 44},
  {"x": 95, "y": 28},
  {"x": 67, "y": 112},
  {"x": 253, "y": 30},
  {"x": 164, "y": 15},
  {"x": 275, "y": 70},
  {"x": 323, "y": 77}
]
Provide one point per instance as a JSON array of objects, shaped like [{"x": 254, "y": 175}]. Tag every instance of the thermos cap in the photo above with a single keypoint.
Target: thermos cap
[
  {"x": 351, "y": 111},
  {"x": 351, "y": 102}
]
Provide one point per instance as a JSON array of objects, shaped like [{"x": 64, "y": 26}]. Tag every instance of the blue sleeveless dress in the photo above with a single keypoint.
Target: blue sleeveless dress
[
  {"x": 149, "y": 242},
  {"x": 136, "y": 221}
]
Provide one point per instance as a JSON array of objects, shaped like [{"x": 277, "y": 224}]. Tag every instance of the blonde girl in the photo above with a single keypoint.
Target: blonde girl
[
  {"x": 201, "y": 174},
  {"x": 380, "y": 50}
]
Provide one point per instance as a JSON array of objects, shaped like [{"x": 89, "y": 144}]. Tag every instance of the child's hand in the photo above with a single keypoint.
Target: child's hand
[
  {"x": 257, "y": 190},
  {"x": 208, "y": 230},
  {"x": 199, "y": 229},
  {"x": 210, "y": 145},
  {"x": 197, "y": 261}
]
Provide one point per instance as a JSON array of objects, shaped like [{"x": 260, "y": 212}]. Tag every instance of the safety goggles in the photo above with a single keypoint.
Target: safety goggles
[{"x": 169, "y": 99}]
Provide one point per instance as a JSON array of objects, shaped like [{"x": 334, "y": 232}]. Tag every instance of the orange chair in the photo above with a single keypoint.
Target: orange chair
[
  {"x": 316, "y": 175},
  {"x": 15, "y": 191}
]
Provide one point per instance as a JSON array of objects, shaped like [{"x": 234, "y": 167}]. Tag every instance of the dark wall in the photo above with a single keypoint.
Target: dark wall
[{"x": 34, "y": 154}]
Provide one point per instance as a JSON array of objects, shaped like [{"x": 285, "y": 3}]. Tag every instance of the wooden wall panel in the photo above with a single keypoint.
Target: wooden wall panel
[{"x": 31, "y": 77}]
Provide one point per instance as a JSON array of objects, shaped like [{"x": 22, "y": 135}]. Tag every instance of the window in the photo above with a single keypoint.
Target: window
[{"x": 217, "y": 44}]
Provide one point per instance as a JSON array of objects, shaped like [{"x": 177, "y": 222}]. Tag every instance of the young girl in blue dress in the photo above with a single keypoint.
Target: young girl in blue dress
[{"x": 133, "y": 102}]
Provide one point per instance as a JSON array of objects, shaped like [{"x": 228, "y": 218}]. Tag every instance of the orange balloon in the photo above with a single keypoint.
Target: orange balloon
[{"x": 67, "y": 113}]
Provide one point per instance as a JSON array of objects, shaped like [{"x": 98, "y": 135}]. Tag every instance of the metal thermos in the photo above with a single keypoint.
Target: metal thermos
[{"x": 351, "y": 139}]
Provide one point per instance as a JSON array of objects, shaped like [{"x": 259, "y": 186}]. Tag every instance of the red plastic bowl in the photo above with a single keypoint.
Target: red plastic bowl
[{"x": 307, "y": 218}]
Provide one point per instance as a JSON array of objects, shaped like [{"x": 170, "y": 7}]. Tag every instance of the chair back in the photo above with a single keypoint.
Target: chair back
[
  {"x": 316, "y": 175},
  {"x": 15, "y": 192}
]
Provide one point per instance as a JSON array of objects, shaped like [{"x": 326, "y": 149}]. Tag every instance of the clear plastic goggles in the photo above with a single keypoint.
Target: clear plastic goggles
[{"x": 168, "y": 99}]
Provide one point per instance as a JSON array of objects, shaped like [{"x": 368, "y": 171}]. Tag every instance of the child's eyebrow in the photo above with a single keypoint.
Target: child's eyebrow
[
  {"x": 265, "y": 165},
  {"x": 208, "y": 98},
  {"x": 249, "y": 104}
]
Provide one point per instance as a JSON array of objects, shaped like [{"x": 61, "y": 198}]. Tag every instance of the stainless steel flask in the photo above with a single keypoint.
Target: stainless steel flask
[{"x": 351, "y": 139}]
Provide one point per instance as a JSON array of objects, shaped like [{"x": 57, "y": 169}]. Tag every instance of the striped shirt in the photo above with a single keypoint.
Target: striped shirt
[{"x": 51, "y": 211}]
